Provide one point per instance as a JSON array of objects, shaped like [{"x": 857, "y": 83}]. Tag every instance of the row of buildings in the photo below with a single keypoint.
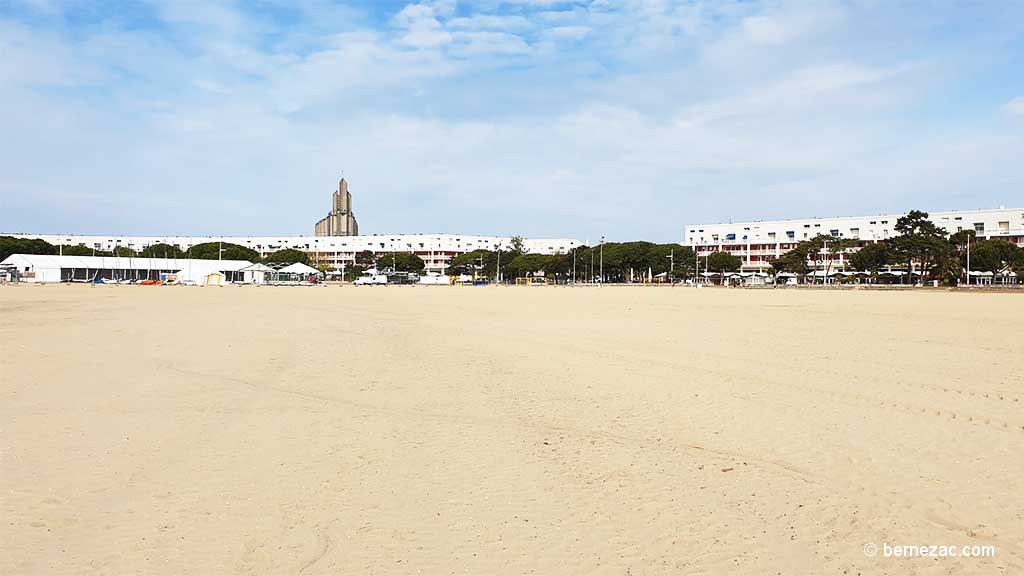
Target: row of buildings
[
  {"x": 336, "y": 240},
  {"x": 335, "y": 243},
  {"x": 436, "y": 250},
  {"x": 757, "y": 243}
]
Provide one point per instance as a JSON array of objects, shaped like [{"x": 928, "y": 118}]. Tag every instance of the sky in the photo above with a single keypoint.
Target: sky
[{"x": 541, "y": 118}]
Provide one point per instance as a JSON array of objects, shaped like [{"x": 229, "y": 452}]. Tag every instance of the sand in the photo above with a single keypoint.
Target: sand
[{"x": 416, "y": 430}]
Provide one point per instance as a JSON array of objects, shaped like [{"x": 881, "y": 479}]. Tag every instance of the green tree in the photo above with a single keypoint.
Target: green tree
[
  {"x": 837, "y": 246},
  {"x": 223, "y": 251},
  {"x": 161, "y": 251},
  {"x": 11, "y": 245},
  {"x": 1017, "y": 263},
  {"x": 795, "y": 261},
  {"x": 400, "y": 262},
  {"x": 526, "y": 265},
  {"x": 76, "y": 250},
  {"x": 995, "y": 256},
  {"x": 920, "y": 241},
  {"x": 684, "y": 262},
  {"x": 961, "y": 238},
  {"x": 482, "y": 262},
  {"x": 365, "y": 259},
  {"x": 288, "y": 256},
  {"x": 673, "y": 258},
  {"x": 871, "y": 258},
  {"x": 558, "y": 267},
  {"x": 353, "y": 272},
  {"x": 518, "y": 246},
  {"x": 723, "y": 262}
]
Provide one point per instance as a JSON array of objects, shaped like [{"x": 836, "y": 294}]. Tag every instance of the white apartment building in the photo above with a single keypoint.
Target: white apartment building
[
  {"x": 758, "y": 243},
  {"x": 436, "y": 250}
]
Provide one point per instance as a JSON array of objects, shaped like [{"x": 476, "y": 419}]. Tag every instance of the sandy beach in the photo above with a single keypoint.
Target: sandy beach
[{"x": 412, "y": 430}]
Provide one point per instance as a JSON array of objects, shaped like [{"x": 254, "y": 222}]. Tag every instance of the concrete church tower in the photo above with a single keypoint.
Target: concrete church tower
[{"x": 340, "y": 221}]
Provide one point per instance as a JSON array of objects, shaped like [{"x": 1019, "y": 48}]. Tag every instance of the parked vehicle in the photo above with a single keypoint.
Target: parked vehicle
[{"x": 371, "y": 279}]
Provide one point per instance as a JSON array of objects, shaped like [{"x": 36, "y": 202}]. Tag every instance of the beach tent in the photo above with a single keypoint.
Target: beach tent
[
  {"x": 755, "y": 278},
  {"x": 256, "y": 274},
  {"x": 296, "y": 273},
  {"x": 977, "y": 277},
  {"x": 195, "y": 272},
  {"x": 434, "y": 279},
  {"x": 55, "y": 268},
  {"x": 300, "y": 269}
]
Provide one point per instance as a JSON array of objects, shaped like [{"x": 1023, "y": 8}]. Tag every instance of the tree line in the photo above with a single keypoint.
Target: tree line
[
  {"x": 206, "y": 251},
  {"x": 612, "y": 262}
]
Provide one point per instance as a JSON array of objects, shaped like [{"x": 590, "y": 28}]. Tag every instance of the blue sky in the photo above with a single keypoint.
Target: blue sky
[{"x": 627, "y": 118}]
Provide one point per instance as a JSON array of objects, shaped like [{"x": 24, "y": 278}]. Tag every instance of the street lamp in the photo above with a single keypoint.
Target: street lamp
[
  {"x": 601, "y": 273},
  {"x": 574, "y": 248},
  {"x": 497, "y": 267}
]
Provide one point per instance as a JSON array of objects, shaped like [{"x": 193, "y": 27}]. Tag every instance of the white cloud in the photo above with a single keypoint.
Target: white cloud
[
  {"x": 569, "y": 32},
  {"x": 1015, "y": 106},
  {"x": 513, "y": 23},
  {"x": 480, "y": 43},
  {"x": 764, "y": 30},
  {"x": 422, "y": 28}
]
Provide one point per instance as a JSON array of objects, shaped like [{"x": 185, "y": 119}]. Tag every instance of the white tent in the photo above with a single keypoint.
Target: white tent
[
  {"x": 256, "y": 274},
  {"x": 299, "y": 268},
  {"x": 50, "y": 268},
  {"x": 196, "y": 272},
  {"x": 434, "y": 279}
]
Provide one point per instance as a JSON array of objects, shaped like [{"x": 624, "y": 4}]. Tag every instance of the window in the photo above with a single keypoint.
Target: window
[
  {"x": 855, "y": 232},
  {"x": 834, "y": 233},
  {"x": 790, "y": 234},
  {"x": 873, "y": 222},
  {"x": 885, "y": 221},
  {"x": 979, "y": 226},
  {"x": 771, "y": 235}
]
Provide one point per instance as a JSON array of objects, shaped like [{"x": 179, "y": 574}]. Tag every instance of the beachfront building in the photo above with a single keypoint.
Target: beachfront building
[
  {"x": 758, "y": 243},
  {"x": 436, "y": 250},
  {"x": 46, "y": 268},
  {"x": 340, "y": 221}
]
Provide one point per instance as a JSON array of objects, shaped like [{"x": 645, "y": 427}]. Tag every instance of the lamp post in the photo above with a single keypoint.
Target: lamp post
[
  {"x": 672, "y": 264},
  {"x": 497, "y": 267},
  {"x": 601, "y": 273},
  {"x": 591, "y": 281},
  {"x": 968, "y": 260},
  {"x": 574, "y": 265}
]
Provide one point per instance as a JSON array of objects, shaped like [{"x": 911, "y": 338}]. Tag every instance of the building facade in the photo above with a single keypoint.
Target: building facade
[
  {"x": 340, "y": 221},
  {"x": 758, "y": 243},
  {"x": 436, "y": 250}
]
